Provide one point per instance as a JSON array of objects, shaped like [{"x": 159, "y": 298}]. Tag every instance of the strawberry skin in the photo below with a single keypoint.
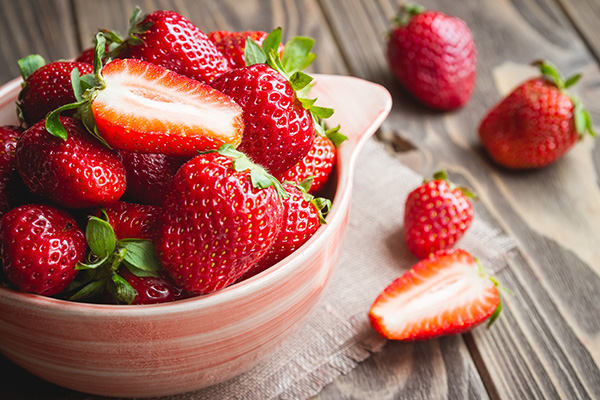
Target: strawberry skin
[
  {"x": 48, "y": 88},
  {"x": 278, "y": 131},
  {"x": 153, "y": 290},
  {"x": 233, "y": 44},
  {"x": 523, "y": 131},
  {"x": 436, "y": 216},
  {"x": 147, "y": 108},
  {"x": 130, "y": 220},
  {"x": 215, "y": 224},
  {"x": 40, "y": 247},
  {"x": 434, "y": 56},
  {"x": 175, "y": 43},
  {"x": 443, "y": 295},
  {"x": 318, "y": 163},
  {"x": 9, "y": 179},
  {"x": 149, "y": 175},
  {"x": 76, "y": 173}
]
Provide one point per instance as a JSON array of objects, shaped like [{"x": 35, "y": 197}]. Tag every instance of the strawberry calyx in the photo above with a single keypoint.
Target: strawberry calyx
[
  {"x": 442, "y": 175},
  {"x": 259, "y": 176},
  {"x": 29, "y": 64},
  {"x": 107, "y": 256},
  {"x": 117, "y": 44},
  {"x": 406, "y": 13},
  {"x": 332, "y": 134},
  {"x": 321, "y": 204},
  {"x": 296, "y": 56},
  {"x": 581, "y": 117}
]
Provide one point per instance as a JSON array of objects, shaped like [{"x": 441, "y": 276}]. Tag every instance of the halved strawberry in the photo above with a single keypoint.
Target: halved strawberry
[
  {"x": 445, "y": 294},
  {"x": 135, "y": 105}
]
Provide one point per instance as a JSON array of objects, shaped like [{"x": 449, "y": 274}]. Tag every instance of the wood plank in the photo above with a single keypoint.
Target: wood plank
[
  {"x": 50, "y": 32},
  {"x": 585, "y": 15},
  {"x": 547, "y": 344}
]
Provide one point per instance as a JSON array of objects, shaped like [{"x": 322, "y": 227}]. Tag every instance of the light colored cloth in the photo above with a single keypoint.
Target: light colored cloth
[{"x": 337, "y": 336}]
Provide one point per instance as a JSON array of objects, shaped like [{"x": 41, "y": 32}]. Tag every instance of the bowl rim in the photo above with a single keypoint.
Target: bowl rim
[{"x": 340, "y": 203}]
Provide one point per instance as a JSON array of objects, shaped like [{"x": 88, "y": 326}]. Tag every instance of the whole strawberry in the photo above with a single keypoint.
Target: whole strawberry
[
  {"x": 46, "y": 87},
  {"x": 77, "y": 172},
  {"x": 436, "y": 216},
  {"x": 40, "y": 247},
  {"x": 434, "y": 56},
  {"x": 132, "y": 221},
  {"x": 279, "y": 126},
  {"x": 233, "y": 44},
  {"x": 448, "y": 293},
  {"x": 318, "y": 163},
  {"x": 170, "y": 40},
  {"x": 222, "y": 214},
  {"x": 536, "y": 124},
  {"x": 149, "y": 175},
  {"x": 302, "y": 216}
]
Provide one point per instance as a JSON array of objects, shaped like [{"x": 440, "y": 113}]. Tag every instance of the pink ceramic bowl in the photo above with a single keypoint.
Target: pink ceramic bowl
[{"x": 155, "y": 350}]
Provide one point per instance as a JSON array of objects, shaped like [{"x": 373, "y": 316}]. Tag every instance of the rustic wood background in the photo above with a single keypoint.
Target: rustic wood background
[{"x": 547, "y": 344}]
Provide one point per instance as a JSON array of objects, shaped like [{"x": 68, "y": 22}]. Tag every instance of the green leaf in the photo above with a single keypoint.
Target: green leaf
[
  {"x": 90, "y": 290},
  {"x": 91, "y": 265},
  {"x": 253, "y": 53},
  {"x": 99, "y": 50},
  {"x": 272, "y": 41},
  {"x": 76, "y": 84},
  {"x": 572, "y": 80},
  {"x": 28, "y": 65},
  {"x": 87, "y": 81},
  {"x": 299, "y": 80},
  {"x": 140, "y": 272},
  {"x": 307, "y": 103},
  {"x": 100, "y": 237},
  {"x": 296, "y": 54},
  {"x": 551, "y": 73},
  {"x": 125, "y": 293},
  {"x": 336, "y": 136},
  {"x": 321, "y": 112},
  {"x": 323, "y": 206},
  {"x": 53, "y": 124},
  {"x": 494, "y": 315},
  {"x": 140, "y": 254}
]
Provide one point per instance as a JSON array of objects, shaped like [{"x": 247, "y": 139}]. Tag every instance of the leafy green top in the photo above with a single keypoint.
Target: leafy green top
[
  {"x": 407, "y": 11},
  {"x": 321, "y": 204}
]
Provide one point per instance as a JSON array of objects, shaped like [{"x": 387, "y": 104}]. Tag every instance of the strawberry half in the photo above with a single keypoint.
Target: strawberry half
[
  {"x": 138, "y": 106},
  {"x": 446, "y": 294}
]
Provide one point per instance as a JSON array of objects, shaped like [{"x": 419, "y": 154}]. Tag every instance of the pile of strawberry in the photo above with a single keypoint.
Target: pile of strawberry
[
  {"x": 433, "y": 56},
  {"x": 161, "y": 165}
]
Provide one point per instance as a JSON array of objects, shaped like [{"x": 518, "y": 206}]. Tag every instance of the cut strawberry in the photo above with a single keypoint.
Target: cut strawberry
[{"x": 445, "y": 294}]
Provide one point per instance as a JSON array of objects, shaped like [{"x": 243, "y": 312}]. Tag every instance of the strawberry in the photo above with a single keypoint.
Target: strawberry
[
  {"x": 446, "y": 294},
  {"x": 149, "y": 175},
  {"x": 222, "y": 214},
  {"x": 279, "y": 126},
  {"x": 40, "y": 247},
  {"x": 433, "y": 55},
  {"x": 153, "y": 290},
  {"x": 436, "y": 215},
  {"x": 138, "y": 106},
  {"x": 86, "y": 56},
  {"x": 536, "y": 124},
  {"x": 78, "y": 172},
  {"x": 318, "y": 163},
  {"x": 8, "y": 175},
  {"x": 170, "y": 40},
  {"x": 302, "y": 216},
  {"x": 46, "y": 87},
  {"x": 132, "y": 221},
  {"x": 233, "y": 44}
]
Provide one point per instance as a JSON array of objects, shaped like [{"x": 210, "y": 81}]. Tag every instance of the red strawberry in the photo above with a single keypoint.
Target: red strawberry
[
  {"x": 222, "y": 214},
  {"x": 279, "y": 125},
  {"x": 130, "y": 220},
  {"x": 86, "y": 56},
  {"x": 233, "y": 44},
  {"x": 40, "y": 247},
  {"x": 46, "y": 87},
  {"x": 142, "y": 107},
  {"x": 170, "y": 40},
  {"x": 446, "y": 294},
  {"x": 536, "y": 124},
  {"x": 318, "y": 163},
  {"x": 153, "y": 290},
  {"x": 433, "y": 55},
  {"x": 77, "y": 172},
  {"x": 302, "y": 217},
  {"x": 149, "y": 175},
  {"x": 8, "y": 175},
  {"x": 436, "y": 215}
]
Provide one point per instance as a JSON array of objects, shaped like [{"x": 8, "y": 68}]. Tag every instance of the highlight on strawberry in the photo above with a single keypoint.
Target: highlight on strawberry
[
  {"x": 537, "y": 123},
  {"x": 445, "y": 294}
]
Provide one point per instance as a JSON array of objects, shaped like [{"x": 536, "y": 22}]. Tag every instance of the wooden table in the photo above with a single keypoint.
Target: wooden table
[{"x": 547, "y": 343}]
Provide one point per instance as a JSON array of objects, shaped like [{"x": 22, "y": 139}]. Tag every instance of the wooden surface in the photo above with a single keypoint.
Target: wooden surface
[{"x": 547, "y": 344}]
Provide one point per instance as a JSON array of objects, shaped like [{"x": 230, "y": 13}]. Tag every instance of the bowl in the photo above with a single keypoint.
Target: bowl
[{"x": 171, "y": 348}]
